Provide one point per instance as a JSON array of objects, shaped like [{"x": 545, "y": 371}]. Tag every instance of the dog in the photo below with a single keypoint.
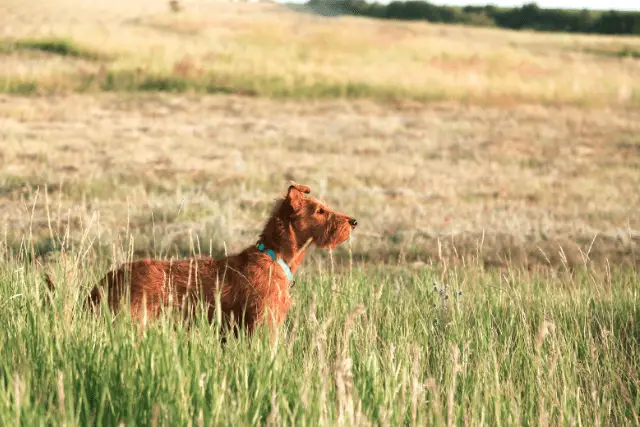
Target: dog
[{"x": 249, "y": 288}]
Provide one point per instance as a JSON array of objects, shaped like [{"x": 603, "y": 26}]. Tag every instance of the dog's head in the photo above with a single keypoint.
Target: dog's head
[{"x": 311, "y": 219}]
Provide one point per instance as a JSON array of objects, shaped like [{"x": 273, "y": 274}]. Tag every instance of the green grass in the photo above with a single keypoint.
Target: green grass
[
  {"x": 18, "y": 86},
  {"x": 615, "y": 52},
  {"x": 273, "y": 87},
  {"x": 55, "y": 46},
  {"x": 376, "y": 345},
  {"x": 129, "y": 81}
]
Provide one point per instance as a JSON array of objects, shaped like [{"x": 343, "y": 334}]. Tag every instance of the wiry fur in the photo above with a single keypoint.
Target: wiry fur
[{"x": 252, "y": 288}]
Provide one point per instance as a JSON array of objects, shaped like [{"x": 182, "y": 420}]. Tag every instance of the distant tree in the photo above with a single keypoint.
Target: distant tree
[
  {"x": 584, "y": 22},
  {"x": 611, "y": 22},
  {"x": 529, "y": 16}
]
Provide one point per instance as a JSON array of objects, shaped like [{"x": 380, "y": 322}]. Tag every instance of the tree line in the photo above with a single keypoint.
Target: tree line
[{"x": 529, "y": 16}]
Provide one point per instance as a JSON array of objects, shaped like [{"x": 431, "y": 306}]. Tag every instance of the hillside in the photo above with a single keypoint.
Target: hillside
[{"x": 271, "y": 50}]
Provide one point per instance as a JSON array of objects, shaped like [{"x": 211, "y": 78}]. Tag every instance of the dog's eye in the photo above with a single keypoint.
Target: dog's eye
[{"x": 320, "y": 211}]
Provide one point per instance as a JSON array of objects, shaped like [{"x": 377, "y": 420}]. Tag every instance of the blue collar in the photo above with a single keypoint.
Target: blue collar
[{"x": 280, "y": 261}]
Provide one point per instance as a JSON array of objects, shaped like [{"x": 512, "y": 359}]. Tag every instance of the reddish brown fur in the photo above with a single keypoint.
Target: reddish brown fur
[{"x": 252, "y": 287}]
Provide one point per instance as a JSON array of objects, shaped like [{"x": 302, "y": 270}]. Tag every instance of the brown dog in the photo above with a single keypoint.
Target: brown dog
[{"x": 250, "y": 287}]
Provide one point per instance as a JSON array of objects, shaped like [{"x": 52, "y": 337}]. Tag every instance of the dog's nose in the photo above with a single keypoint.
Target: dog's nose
[{"x": 353, "y": 222}]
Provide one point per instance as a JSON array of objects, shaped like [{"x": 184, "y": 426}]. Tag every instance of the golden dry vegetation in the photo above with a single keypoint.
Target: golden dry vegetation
[
  {"x": 532, "y": 179},
  {"x": 528, "y": 150},
  {"x": 270, "y": 50}
]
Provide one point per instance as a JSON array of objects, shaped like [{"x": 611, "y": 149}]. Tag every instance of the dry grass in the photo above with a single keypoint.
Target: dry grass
[
  {"x": 512, "y": 174},
  {"x": 522, "y": 182},
  {"x": 269, "y": 50},
  {"x": 530, "y": 158}
]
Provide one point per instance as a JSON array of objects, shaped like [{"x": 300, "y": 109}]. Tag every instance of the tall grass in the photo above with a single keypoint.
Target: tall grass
[{"x": 376, "y": 345}]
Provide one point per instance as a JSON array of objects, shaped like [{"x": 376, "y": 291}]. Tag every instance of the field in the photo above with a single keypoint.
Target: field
[{"x": 493, "y": 278}]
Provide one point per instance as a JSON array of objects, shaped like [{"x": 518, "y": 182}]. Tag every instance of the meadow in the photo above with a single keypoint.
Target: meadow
[{"x": 493, "y": 279}]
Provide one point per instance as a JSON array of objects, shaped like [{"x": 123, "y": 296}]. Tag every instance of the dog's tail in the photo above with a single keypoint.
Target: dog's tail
[
  {"x": 94, "y": 298},
  {"x": 47, "y": 280}
]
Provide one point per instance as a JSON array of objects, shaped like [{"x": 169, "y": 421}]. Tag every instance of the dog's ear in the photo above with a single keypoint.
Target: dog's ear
[
  {"x": 301, "y": 188},
  {"x": 295, "y": 195}
]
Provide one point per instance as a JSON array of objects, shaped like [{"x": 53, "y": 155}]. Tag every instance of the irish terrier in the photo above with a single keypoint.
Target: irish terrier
[{"x": 250, "y": 288}]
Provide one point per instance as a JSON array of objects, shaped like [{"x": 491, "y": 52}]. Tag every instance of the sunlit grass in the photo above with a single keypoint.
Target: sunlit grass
[
  {"x": 493, "y": 278},
  {"x": 380, "y": 346},
  {"x": 269, "y": 51}
]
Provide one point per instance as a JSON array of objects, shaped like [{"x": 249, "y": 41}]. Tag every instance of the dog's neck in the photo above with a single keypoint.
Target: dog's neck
[{"x": 279, "y": 236}]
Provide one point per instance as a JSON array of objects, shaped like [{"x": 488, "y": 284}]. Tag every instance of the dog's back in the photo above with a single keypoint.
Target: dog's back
[{"x": 151, "y": 286}]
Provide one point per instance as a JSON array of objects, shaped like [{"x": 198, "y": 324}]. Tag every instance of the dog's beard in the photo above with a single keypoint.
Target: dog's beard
[{"x": 337, "y": 235}]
